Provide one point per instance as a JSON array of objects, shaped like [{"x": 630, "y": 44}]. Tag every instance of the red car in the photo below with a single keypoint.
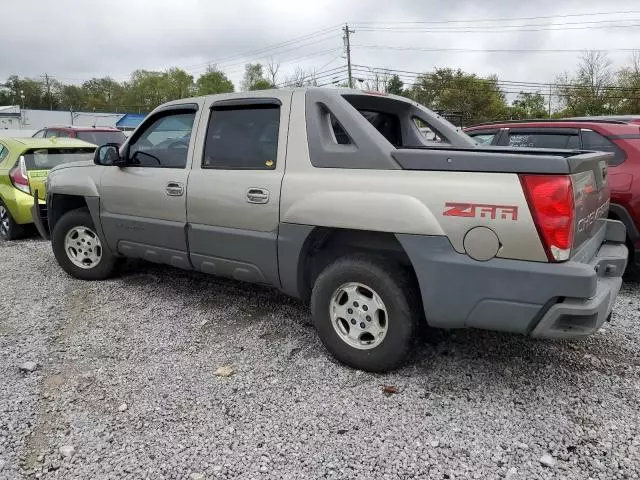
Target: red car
[
  {"x": 619, "y": 135},
  {"x": 95, "y": 135}
]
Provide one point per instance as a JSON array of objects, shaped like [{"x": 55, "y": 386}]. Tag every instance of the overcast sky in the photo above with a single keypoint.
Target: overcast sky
[{"x": 74, "y": 40}]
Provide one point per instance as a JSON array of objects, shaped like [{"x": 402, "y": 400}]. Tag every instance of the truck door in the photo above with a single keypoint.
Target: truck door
[
  {"x": 143, "y": 204},
  {"x": 233, "y": 195}
]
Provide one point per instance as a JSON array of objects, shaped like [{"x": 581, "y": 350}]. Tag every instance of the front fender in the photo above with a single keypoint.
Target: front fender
[{"x": 80, "y": 182}]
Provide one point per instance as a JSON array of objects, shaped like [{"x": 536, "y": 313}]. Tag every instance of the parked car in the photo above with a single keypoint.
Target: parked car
[
  {"x": 24, "y": 166},
  {"x": 95, "y": 135},
  {"x": 621, "y": 118},
  {"x": 608, "y": 134},
  {"x": 336, "y": 197}
]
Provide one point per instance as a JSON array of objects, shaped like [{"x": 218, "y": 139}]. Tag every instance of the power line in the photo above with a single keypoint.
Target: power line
[
  {"x": 492, "y": 50},
  {"x": 330, "y": 62},
  {"x": 316, "y": 75},
  {"x": 509, "y": 83},
  {"x": 268, "y": 48},
  {"x": 499, "y": 19},
  {"x": 503, "y": 29},
  {"x": 501, "y": 89}
]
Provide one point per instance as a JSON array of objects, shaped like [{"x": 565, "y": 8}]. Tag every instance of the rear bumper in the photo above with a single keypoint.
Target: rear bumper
[
  {"x": 570, "y": 299},
  {"x": 579, "y": 317}
]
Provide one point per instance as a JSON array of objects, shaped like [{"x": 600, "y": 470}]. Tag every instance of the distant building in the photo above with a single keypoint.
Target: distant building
[
  {"x": 10, "y": 117},
  {"x": 14, "y": 118}
]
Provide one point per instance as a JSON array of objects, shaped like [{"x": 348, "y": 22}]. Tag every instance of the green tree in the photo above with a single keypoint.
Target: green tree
[
  {"x": 395, "y": 85},
  {"x": 26, "y": 92},
  {"x": 102, "y": 94},
  {"x": 588, "y": 91},
  {"x": 213, "y": 81},
  {"x": 529, "y": 105},
  {"x": 628, "y": 79},
  {"x": 262, "y": 84},
  {"x": 456, "y": 92},
  {"x": 145, "y": 90},
  {"x": 72, "y": 97},
  {"x": 176, "y": 84},
  {"x": 253, "y": 78}
]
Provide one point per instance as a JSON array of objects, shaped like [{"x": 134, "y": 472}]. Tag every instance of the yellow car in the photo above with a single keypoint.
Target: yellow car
[{"x": 24, "y": 166}]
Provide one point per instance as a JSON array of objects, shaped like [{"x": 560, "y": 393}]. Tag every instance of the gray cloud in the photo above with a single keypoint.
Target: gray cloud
[{"x": 74, "y": 41}]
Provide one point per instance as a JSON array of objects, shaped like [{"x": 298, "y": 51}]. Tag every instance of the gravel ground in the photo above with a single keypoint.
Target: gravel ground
[{"x": 126, "y": 388}]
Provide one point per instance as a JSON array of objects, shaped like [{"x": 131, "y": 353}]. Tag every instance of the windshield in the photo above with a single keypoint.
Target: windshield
[
  {"x": 47, "y": 158},
  {"x": 100, "y": 138}
]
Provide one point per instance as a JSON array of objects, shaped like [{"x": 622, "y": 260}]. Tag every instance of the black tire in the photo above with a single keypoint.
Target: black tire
[
  {"x": 9, "y": 230},
  {"x": 396, "y": 289},
  {"x": 105, "y": 267}
]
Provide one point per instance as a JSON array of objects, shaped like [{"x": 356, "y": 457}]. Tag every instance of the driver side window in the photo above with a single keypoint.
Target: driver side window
[{"x": 164, "y": 143}]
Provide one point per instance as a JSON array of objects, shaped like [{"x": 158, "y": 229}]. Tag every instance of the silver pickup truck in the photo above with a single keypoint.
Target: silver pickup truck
[{"x": 337, "y": 197}]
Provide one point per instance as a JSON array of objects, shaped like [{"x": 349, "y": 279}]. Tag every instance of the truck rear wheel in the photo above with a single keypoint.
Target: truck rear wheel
[
  {"x": 78, "y": 248},
  {"x": 365, "y": 312}
]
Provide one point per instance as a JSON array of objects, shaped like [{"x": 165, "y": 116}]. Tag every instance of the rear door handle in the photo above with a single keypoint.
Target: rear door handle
[
  {"x": 257, "y": 195},
  {"x": 174, "y": 189}
]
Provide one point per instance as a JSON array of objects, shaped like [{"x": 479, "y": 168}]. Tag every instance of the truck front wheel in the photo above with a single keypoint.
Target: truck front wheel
[
  {"x": 78, "y": 248},
  {"x": 365, "y": 311}
]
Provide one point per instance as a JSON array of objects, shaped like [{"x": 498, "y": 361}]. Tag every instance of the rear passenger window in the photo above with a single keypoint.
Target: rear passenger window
[
  {"x": 594, "y": 141},
  {"x": 4, "y": 151},
  {"x": 544, "y": 140},
  {"x": 242, "y": 138}
]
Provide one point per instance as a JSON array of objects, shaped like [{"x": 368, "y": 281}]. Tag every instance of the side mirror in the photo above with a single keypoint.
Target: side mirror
[{"x": 107, "y": 155}]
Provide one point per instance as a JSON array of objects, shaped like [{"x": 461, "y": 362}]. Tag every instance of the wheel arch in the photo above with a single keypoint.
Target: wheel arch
[
  {"x": 618, "y": 212},
  {"x": 303, "y": 251},
  {"x": 60, "y": 204}
]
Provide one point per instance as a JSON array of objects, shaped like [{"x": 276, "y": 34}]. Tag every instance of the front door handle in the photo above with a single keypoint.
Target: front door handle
[
  {"x": 174, "y": 189},
  {"x": 257, "y": 195}
]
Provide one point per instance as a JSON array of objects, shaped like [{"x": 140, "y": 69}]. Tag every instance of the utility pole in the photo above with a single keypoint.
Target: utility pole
[
  {"x": 549, "y": 101},
  {"x": 48, "y": 87},
  {"x": 347, "y": 46}
]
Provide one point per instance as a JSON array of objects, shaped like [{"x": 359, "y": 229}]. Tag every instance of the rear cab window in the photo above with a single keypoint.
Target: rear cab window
[{"x": 396, "y": 121}]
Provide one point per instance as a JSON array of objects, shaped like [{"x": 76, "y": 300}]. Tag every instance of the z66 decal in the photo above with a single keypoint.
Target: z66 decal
[{"x": 482, "y": 210}]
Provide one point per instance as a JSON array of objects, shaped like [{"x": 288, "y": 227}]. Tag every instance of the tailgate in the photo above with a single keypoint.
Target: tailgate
[{"x": 591, "y": 194}]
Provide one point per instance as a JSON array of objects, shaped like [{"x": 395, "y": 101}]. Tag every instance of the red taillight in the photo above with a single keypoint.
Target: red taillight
[
  {"x": 550, "y": 199},
  {"x": 18, "y": 176}
]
